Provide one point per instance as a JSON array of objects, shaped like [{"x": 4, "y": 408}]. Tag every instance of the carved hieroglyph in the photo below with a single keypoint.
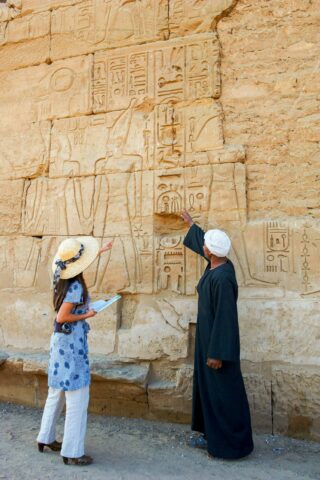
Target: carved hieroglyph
[{"x": 112, "y": 120}]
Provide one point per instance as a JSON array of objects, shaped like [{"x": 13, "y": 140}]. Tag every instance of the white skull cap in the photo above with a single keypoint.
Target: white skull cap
[{"x": 217, "y": 242}]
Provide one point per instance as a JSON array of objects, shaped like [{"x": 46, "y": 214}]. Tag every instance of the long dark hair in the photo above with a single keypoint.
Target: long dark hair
[{"x": 60, "y": 291}]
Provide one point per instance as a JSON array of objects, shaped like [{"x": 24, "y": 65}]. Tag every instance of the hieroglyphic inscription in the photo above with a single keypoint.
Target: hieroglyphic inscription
[
  {"x": 278, "y": 249},
  {"x": 305, "y": 257},
  {"x": 169, "y": 198},
  {"x": 170, "y": 264},
  {"x": 161, "y": 73}
]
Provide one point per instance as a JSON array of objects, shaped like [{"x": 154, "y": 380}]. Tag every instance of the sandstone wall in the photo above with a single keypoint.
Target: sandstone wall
[{"x": 114, "y": 115}]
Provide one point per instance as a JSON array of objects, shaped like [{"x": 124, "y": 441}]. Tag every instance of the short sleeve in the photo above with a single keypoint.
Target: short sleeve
[{"x": 74, "y": 293}]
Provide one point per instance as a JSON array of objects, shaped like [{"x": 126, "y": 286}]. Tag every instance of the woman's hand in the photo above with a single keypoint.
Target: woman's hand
[
  {"x": 91, "y": 313},
  {"x": 185, "y": 215},
  {"x": 214, "y": 363},
  {"x": 105, "y": 247}
]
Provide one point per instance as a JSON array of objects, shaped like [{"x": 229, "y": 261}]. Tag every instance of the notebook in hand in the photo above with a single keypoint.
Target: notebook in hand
[{"x": 100, "y": 305}]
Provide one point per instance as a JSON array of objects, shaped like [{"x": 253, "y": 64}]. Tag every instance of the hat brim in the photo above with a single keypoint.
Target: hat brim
[{"x": 90, "y": 252}]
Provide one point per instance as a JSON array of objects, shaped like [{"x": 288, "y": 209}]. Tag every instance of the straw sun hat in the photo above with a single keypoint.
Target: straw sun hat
[{"x": 74, "y": 255}]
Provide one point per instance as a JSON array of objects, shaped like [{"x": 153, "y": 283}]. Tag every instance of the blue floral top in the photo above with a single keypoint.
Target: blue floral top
[{"x": 69, "y": 364}]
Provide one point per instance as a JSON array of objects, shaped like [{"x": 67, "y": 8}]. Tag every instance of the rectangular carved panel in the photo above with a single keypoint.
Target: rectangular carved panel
[{"x": 161, "y": 72}]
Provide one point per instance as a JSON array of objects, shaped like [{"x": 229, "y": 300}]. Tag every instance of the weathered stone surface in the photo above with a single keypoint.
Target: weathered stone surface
[
  {"x": 114, "y": 371},
  {"x": 25, "y": 41},
  {"x": 9, "y": 10},
  {"x": 193, "y": 16},
  {"x": 207, "y": 105},
  {"x": 267, "y": 107},
  {"x": 72, "y": 200},
  {"x": 172, "y": 400},
  {"x": 163, "y": 72},
  {"x": 10, "y": 206},
  {"x": 258, "y": 382},
  {"x": 95, "y": 25},
  {"x": 279, "y": 332},
  {"x": 24, "y": 324},
  {"x": 296, "y": 392},
  {"x": 45, "y": 5},
  {"x": 25, "y": 152},
  {"x": 155, "y": 332},
  {"x": 46, "y": 91}
]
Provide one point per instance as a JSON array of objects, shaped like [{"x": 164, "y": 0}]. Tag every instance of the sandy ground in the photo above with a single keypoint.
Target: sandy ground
[{"x": 126, "y": 449}]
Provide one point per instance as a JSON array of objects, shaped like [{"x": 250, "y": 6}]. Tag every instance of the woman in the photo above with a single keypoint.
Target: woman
[
  {"x": 69, "y": 371},
  {"x": 220, "y": 409}
]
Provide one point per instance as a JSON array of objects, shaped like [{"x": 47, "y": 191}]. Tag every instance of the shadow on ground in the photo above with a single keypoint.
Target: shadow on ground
[{"x": 127, "y": 449}]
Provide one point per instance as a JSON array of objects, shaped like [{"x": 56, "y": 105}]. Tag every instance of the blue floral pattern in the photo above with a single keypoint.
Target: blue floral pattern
[{"x": 69, "y": 367}]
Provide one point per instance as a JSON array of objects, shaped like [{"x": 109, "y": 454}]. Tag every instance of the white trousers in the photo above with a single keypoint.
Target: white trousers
[{"x": 75, "y": 423}]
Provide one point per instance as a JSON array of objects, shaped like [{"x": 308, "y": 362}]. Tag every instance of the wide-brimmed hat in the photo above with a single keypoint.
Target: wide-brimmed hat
[
  {"x": 74, "y": 255},
  {"x": 217, "y": 242}
]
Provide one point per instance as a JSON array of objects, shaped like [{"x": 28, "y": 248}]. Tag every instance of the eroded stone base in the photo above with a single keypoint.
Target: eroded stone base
[{"x": 282, "y": 399}]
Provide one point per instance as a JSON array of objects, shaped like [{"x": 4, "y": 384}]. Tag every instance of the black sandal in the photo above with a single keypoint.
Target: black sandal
[
  {"x": 55, "y": 446},
  {"x": 84, "y": 460}
]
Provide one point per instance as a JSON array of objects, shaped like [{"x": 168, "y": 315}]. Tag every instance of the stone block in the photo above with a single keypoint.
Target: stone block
[
  {"x": 165, "y": 137},
  {"x": 10, "y": 205},
  {"x": 30, "y": 309},
  {"x": 296, "y": 396},
  {"x": 45, "y": 5},
  {"x": 192, "y": 16},
  {"x": 279, "y": 332},
  {"x": 163, "y": 72},
  {"x": 257, "y": 379},
  {"x": 155, "y": 332},
  {"x": 25, "y": 151},
  {"x": 172, "y": 400},
  {"x": 96, "y": 24},
  {"x": 44, "y": 92},
  {"x": 9, "y": 10},
  {"x": 59, "y": 206},
  {"x": 25, "y": 41}
]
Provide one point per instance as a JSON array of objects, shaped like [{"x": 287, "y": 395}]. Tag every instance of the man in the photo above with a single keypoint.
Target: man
[{"x": 220, "y": 409}]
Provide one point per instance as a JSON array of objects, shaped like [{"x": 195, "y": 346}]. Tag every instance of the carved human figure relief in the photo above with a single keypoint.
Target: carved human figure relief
[
  {"x": 122, "y": 171},
  {"x": 228, "y": 210}
]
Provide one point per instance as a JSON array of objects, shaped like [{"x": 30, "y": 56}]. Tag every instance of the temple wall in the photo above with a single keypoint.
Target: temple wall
[{"x": 115, "y": 115}]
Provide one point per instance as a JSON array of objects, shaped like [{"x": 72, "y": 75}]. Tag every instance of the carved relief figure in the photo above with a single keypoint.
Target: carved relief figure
[
  {"x": 228, "y": 210},
  {"x": 121, "y": 168}
]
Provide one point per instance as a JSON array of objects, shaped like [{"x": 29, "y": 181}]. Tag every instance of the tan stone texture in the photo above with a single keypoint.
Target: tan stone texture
[
  {"x": 25, "y": 41},
  {"x": 115, "y": 115},
  {"x": 98, "y": 24}
]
